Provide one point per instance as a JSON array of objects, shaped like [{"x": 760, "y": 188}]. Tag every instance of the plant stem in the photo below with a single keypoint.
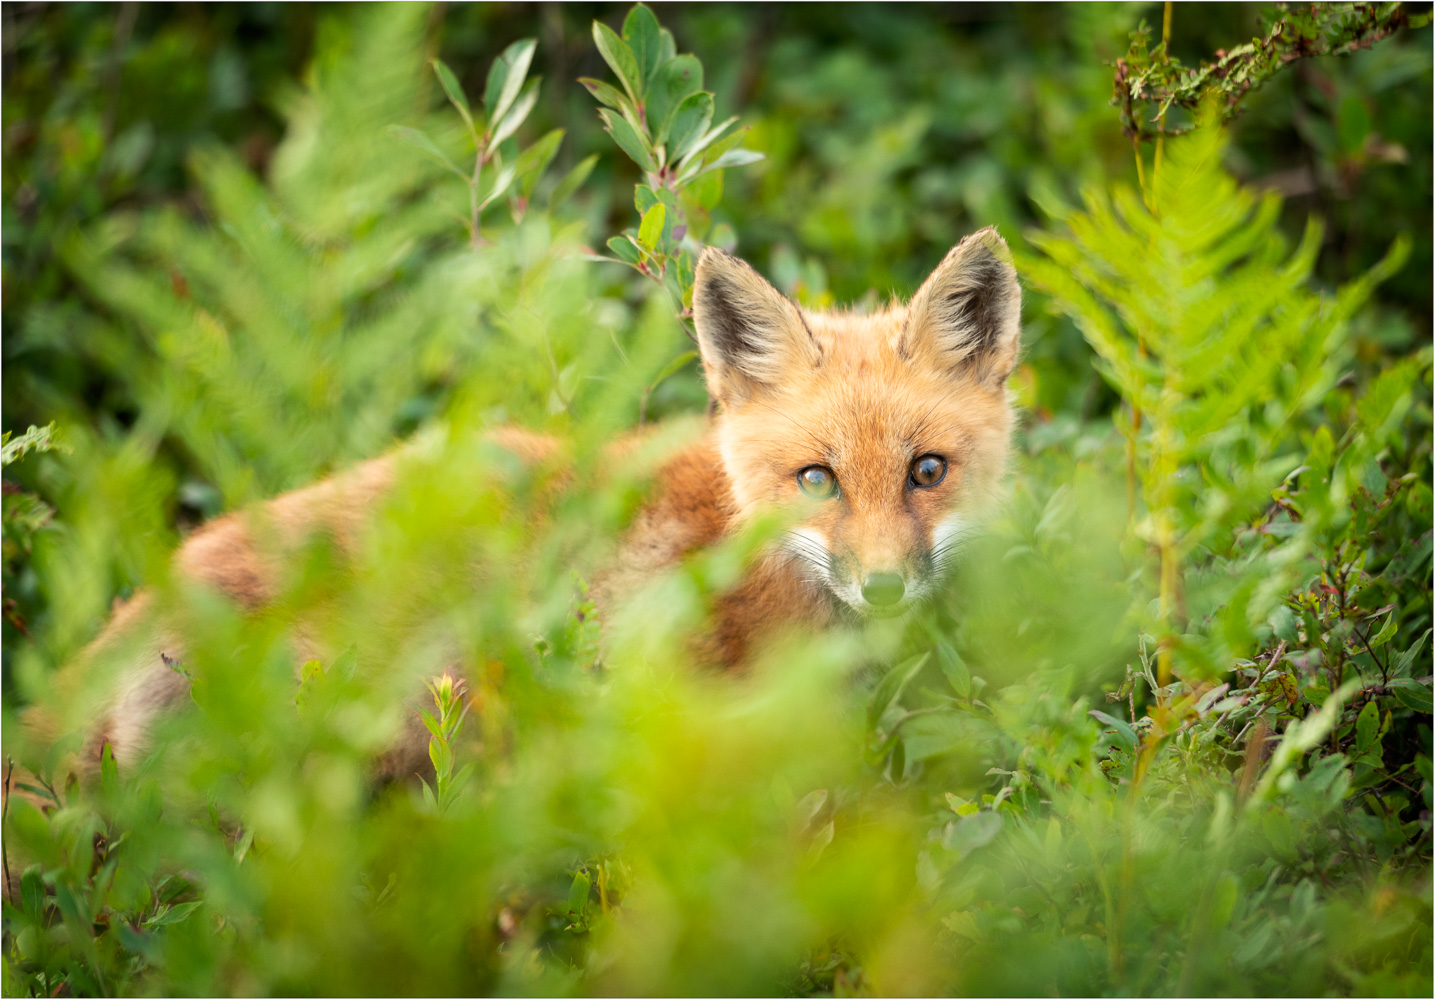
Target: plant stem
[
  {"x": 476, "y": 237},
  {"x": 1163, "y": 473},
  {"x": 1161, "y": 118},
  {"x": 1140, "y": 169}
]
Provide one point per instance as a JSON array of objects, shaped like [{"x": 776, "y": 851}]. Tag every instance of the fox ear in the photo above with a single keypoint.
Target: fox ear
[
  {"x": 966, "y": 317},
  {"x": 750, "y": 335}
]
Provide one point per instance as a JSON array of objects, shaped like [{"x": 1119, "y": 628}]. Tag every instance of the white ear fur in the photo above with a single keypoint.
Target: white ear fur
[
  {"x": 966, "y": 317},
  {"x": 750, "y": 336}
]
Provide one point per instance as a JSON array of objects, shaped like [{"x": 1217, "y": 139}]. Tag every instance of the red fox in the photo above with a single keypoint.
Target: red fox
[{"x": 886, "y": 435}]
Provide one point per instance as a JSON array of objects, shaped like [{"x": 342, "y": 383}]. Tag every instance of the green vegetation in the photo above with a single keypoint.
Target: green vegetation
[{"x": 1166, "y": 732}]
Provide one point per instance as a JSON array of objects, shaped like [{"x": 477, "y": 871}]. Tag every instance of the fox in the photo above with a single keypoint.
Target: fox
[{"x": 884, "y": 437}]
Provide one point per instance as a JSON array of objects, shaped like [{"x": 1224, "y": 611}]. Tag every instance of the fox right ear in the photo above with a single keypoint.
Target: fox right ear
[
  {"x": 749, "y": 334},
  {"x": 966, "y": 317}
]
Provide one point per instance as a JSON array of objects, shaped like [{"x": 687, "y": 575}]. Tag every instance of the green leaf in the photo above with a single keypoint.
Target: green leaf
[
  {"x": 1412, "y": 694},
  {"x": 689, "y": 123},
  {"x": 1367, "y": 725},
  {"x": 32, "y": 893},
  {"x": 505, "y": 78},
  {"x": 644, "y": 198},
  {"x": 677, "y": 78},
  {"x": 171, "y": 887},
  {"x": 620, "y": 59},
  {"x": 899, "y": 762},
  {"x": 464, "y": 773},
  {"x": 174, "y": 914},
  {"x": 607, "y": 94},
  {"x": 889, "y": 689},
  {"x": 578, "y": 894},
  {"x": 455, "y": 93},
  {"x": 683, "y": 275},
  {"x": 707, "y": 190},
  {"x": 667, "y": 48},
  {"x": 109, "y": 773},
  {"x": 626, "y": 250},
  {"x": 501, "y": 184},
  {"x": 1387, "y": 631},
  {"x": 534, "y": 160},
  {"x": 242, "y": 846},
  {"x": 38, "y": 439},
  {"x": 516, "y": 114},
  {"x": 733, "y": 158},
  {"x": 1407, "y": 658},
  {"x": 572, "y": 181},
  {"x": 674, "y": 366},
  {"x": 955, "y": 669},
  {"x": 650, "y": 232},
  {"x": 628, "y": 140},
  {"x": 1126, "y": 735},
  {"x": 971, "y": 832},
  {"x": 418, "y": 140},
  {"x": 710, "y": 137},
  {"x": 641, "y": 32},
  {"x": 441, "y": 756}
]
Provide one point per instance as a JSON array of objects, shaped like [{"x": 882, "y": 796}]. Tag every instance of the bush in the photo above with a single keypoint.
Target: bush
[{"x": 1167, "y": 731}]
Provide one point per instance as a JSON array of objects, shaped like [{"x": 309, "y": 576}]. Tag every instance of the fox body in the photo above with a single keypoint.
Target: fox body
[{"x": 883, "y": 436}]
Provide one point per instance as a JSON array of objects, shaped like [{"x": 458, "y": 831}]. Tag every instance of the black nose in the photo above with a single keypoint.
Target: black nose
[{"x": 883, "y": 589}]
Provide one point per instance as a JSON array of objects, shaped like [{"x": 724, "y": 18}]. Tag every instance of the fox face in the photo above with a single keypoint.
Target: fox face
[{"x": 884, "y": 436}]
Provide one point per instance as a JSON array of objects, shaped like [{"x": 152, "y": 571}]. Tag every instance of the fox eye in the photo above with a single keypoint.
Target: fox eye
[
  {"x": 929, "y": 470},
  {"x": 817, "y": 481}
]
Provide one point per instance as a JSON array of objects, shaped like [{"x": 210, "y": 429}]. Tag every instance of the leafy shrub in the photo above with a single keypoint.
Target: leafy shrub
[{"x": 1167, "y": 731}]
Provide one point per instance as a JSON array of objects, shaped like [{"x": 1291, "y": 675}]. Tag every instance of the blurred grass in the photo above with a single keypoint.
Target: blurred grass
[{"x": 224, "y": 279}]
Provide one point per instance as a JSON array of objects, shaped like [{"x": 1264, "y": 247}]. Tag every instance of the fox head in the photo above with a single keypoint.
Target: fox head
[{"x": 886, "y": 435}]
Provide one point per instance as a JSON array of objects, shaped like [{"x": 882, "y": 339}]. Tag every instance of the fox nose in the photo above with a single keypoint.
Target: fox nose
[{"x": 883, "y": 589}]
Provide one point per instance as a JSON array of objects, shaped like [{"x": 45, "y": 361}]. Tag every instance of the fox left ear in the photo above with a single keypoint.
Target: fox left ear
[
  {"x": 751, "y": 337},
  {"x": 966, "y": 317}
]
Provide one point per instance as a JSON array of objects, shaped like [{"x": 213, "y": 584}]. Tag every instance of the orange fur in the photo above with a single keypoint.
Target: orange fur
[{"x": 862, "y": 396}]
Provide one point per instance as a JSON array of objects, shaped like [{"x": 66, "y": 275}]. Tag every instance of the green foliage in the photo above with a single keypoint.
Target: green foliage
[
  {"x": 444, "y": 729},
  {"x": 664, "y": 123},
  {"x": 1211, "y": 334},
  {"x": 36, "y": 439},
  {"x": 1006, "y": 794},
  {"x": 1150, "y": 76},
  {"x": 507, "y": 101},
  {"x": 25, "y": 515}
]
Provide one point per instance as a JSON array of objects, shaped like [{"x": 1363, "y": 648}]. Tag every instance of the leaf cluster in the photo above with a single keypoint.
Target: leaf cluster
[
  {"x": 662, "y": 118},
  {"x": 1148, "y": 78}
]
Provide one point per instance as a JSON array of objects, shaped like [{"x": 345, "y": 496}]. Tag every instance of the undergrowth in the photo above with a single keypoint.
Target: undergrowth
[{"x": 1166, "y": 731}]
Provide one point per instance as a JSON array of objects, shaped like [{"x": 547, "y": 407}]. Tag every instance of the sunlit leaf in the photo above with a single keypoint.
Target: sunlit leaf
[
  {"x": 572, "y": 180},
  {"x": 625, "y": 249},
  {"x": 689, "y": 123},
  {"x": 641, "y": 32},
  {"x": 651, "y": 231},
  {"x": 418, "y": 140},
  {"x": 505, "y": 78},
  {"x": 534, "y": 160},
  {"x": 453, "y": 90},
  {"x": 628, "y": 139},
  {"x": 620, "y": 60},
  {"x": 516, "y": 114},
  {"x": 678, "y": 78}
]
